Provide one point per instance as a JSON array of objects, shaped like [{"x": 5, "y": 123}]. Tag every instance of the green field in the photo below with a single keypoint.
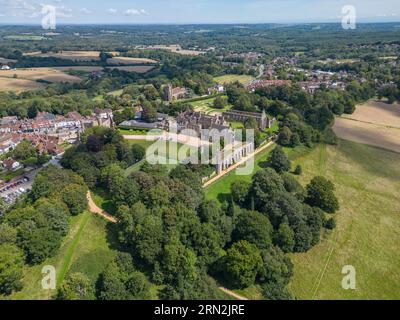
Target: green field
[
  {"x": 165, "y": 155},
  {"x": 206, "y": 106},
  {"x": 229, "y": 78},
  {"x": 367, "y": 181},
  {"x": 132, "y": 132},
  {"x": 221, "y": 188},
  {"x": 85, "y": 249}
]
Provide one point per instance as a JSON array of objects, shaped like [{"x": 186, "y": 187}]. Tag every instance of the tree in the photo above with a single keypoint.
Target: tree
[
  {"x": 138, "y": 286},
  {"x": 40, "y": 243},
  {"x": 299, "y": 170},
  {"x": 330, "y": 224},
  {"x": 138, "y": 152},
  {"x": 320, "y": 193},
  {"x": 8, "y": 234},
  {"x": 253, "y": 227},
  {"x": 241, "y": 264},
  {"x": 76, "y": 286},
  {"x": 266, "y": 185},
  {"x": 149, "y": 113},
  {"x": 279, "y": 161},
  {"x": 24, "y": 151},
  {"x": 291, "y": 184},
  {"x": 285, "y": 136},
  {"x": 75, "y": 197},
  {"x": 220, "y": 102},
  {"x": 11, "y": 263},
  {"x": 239, "y": 191},
  {"x": 275, "y": 291},
  {"x": 276, "y": 267},
  {"x": 109, "y": 284},
  {"x": 284, "y": 238}
]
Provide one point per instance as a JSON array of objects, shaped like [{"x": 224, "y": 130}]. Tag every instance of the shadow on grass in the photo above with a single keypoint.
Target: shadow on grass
[
  {"x": 224, "y": 197},
  {"x": 375, "y": 160}
]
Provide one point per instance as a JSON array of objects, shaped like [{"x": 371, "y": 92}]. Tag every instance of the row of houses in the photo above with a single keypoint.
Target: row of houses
[
  {"x": 47, "y": 123},
  {"x": 48, "y": 131}
]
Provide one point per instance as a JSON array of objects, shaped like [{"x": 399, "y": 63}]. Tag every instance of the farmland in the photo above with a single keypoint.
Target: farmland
[
  {"x": 175, "y": 48},
  {"x": 87, "y": 56},
  {"x": 374, "y": 123},
  {"x": 42, "y": 74},
  {"x": 18, "y": 85},
  {"x": 70, "y": 55}
]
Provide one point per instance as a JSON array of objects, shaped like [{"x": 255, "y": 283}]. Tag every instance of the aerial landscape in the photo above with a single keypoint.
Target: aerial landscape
[{"x": 161, "y": 151}]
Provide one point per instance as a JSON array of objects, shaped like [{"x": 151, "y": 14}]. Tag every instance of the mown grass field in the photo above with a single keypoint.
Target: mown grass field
[
  {"x": 367, "y": 236},
  {"x": 367, "y": 182},
  {"x": 221, "y": 188},
  {"x": 229, "y": 78},
  {"x": 87, "y": 248},
  {"x": 207, "y": 106}
]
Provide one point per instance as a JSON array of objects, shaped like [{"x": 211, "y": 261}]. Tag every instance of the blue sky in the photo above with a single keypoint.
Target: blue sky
[{"x": 197, "y": 11}]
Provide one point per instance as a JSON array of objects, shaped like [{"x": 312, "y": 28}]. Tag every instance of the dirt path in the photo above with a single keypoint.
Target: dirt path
[
  {"x": 232, "y": 294},
  {"x": 95, "y": 209},
  {"x": 238, "y": 164}
]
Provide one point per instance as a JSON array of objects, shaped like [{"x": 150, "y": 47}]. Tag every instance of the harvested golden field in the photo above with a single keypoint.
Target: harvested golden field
[
  {"x": 128, "y": 60},
  {"x": 71, "y": 55},
  {"x": 80, "y": 68},
  {"x": 374, "y": 123},
  {"x": 5, "y": 61},
  {"x": 18, "y": 85},
  {"x": 175, "y": 48},
  {"x": 34, "y": 74}
]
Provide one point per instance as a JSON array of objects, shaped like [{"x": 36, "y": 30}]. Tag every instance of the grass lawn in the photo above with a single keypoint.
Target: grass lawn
[
  {"x": 229, "y": 78},
  {"x": 166, "y": 155},
  {"x": 88, "y": 248},
  {"x": 103, "y": 200},
  {"x": 33, "y": 275},
  {"x": 221, "y": 188},
  {"x": 132, "y": 132},
  {"x": 207, "y": 106},
  {"x": 367, "y": 182}
]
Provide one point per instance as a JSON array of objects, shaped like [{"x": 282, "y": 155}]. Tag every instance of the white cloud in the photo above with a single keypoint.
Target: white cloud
[
  {"x": 135, "y": 12},
  {"x": 132, "y": 12},
  {"x": 85, "y": 11},
  {"x": 112, "y": 11}
]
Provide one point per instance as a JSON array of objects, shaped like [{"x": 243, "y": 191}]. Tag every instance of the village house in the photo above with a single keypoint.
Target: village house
[
  {"x": 257, "y": 84},
  {"x": 10, "y": 165},
  {"x": 216, "y": 89}
]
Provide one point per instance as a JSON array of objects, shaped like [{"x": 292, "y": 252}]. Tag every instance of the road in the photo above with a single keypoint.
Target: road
[
  {"x": 167, "y": 136},
  {"x": 95, "y": 209},
  {"x": 232, "y": 294},
  {"x": 238, "y": 164}
]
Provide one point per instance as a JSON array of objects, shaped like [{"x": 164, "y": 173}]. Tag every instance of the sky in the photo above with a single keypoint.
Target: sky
[{"x": 196, "y": 11}]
